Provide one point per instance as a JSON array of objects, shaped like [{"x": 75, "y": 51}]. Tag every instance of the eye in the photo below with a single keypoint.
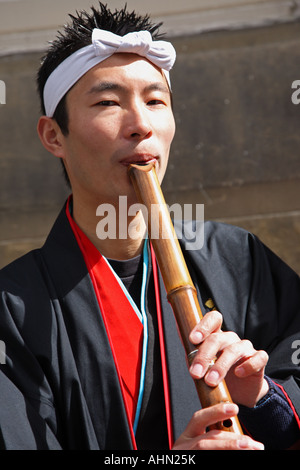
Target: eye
[
  {"x": 155, "y": 102},
  {"x": 107, "y": 103}
]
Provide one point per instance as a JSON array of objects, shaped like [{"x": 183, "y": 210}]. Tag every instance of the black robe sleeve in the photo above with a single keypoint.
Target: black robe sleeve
[
  {"x": 273, "y": 319},
  {"x": 21, "y": 426}
]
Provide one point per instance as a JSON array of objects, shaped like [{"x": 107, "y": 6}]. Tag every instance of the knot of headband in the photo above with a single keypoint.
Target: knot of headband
[{"x": 104, "y": 44}]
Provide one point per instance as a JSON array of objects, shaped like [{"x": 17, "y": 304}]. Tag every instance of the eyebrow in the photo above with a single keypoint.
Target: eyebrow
[
  {"x": 112, "y": 86},
  {"x": 105, "y": 86}
]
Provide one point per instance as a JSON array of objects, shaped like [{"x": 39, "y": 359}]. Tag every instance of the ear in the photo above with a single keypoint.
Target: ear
[{"x": 51, "y": 136}]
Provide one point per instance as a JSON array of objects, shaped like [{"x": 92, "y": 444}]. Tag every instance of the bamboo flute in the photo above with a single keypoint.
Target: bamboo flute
[{"x": 180, "y": 289}]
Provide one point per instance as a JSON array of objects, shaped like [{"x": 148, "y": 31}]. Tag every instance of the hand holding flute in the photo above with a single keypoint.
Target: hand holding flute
[
  {"x": 211, "y": 353},
  {"x": 237, "y": 359},
  {"x": 242, "y": 366}
]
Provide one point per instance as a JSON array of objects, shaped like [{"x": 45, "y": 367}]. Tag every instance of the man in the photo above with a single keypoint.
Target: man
[{"x": 94, "y": 360}]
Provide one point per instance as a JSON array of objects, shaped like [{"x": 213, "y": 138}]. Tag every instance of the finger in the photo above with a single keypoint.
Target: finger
[
  {"x": 210, "y": 323},
  {"x": 210, "y": 349},
  {"x": 204, "y": 418},
  {"x": 231, "y": 355},
  {"x": 252, "y": 365},
  {"x": 220, "y": 440},
  {"x": 195, "y": 435}
]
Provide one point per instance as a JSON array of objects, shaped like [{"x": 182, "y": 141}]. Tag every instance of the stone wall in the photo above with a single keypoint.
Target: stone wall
[{"x": 236, "y": 149}]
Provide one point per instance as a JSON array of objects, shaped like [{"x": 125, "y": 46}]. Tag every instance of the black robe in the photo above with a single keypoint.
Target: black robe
[{"x": 59, "y": 387}]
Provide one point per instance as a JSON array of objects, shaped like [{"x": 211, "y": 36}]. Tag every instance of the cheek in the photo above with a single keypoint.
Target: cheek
[
  {"x": 167, "y": 135},
  {"x": 102, "y": 133},
  {"x": 173, "y": 131},
  {"x": 168, "y": 132},
  {"x": 92, "y": 137}
]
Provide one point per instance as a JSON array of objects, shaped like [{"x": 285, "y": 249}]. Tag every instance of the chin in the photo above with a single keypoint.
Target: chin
[{"x": 132, "y": 199}]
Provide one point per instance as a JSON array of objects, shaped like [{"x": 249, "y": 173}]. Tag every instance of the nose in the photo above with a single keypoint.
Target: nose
[{"x": 137, "y": 122}]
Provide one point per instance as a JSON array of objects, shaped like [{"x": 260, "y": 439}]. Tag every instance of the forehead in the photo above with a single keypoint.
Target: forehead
[{"x": 125, "y": 67}]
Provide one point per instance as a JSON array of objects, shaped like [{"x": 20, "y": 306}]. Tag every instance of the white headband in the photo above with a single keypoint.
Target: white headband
[{"x": 104, "y": 44}]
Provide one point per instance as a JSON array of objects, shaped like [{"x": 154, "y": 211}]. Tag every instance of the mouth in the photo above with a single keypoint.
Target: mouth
[{"x": 139, "y": 160}]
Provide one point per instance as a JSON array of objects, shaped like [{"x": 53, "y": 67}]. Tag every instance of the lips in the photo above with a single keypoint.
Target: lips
[{"x": 139, "y": 160}]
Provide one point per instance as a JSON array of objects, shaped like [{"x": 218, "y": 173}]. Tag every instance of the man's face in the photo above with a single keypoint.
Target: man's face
[{"x": 119, "y": 113}]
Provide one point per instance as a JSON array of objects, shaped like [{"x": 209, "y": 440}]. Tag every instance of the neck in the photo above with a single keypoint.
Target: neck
[{"x": 114, "y": 233}]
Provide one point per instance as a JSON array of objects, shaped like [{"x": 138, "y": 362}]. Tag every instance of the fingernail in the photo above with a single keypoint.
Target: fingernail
[
  {"x": 196, "y": 370},
  {"x": 258, "y": 446},
  {"x": 212, "y": 377},
  {"x": 231, "y": 408},
  {"x": 197, "y": 337},
  {"x": 240, "y": 372}
]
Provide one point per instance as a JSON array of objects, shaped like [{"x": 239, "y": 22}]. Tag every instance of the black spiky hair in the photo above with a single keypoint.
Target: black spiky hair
[{"x": 78, "y": 33}]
